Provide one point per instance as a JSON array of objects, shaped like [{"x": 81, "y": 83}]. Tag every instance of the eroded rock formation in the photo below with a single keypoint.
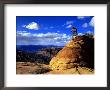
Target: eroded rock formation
[{"x": 79, "y": 52}]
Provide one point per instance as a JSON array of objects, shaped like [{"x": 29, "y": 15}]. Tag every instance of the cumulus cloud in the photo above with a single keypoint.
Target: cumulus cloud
[
  {"x": 91, "y": 23},
  {"x": 42, "y": 39},
  {"x": 85, "y": 25},
  {"x": 69, "y": 26},
  {"x": 32, "y": 26}
]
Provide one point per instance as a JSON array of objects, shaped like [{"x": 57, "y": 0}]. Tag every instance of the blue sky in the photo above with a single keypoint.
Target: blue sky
[{"x": 50, "y": 30}]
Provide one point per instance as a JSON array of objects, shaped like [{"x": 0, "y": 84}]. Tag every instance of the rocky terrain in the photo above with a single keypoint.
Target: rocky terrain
[
  {"x": 78, "y": 52},
  {"x": 42, "y": 56},
  {"x": 76, "y": 57}
]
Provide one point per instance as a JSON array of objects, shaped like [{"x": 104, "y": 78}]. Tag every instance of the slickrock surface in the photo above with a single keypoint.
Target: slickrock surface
[
  {"x": 76, "y": 71},
  {"x": 77, "y": 53}
]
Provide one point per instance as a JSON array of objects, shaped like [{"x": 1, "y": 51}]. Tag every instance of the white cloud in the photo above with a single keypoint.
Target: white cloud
[
  {"x": 51, "y": 27},
  {"x": 23, "y": 33},
  {"x": 24, "y": 26},
  {"x": 89, "y": 32},
  {"x": 80, "y": 17},
  {"x": 26, "y": 34},
  {"x": 80, "y": 34},
  {"x": 69, "y": 22},
  {"x": 69, "y": 26},
  {"x": 91, "y": 23},
  {"x": 85, "y": 25},
  {"x": 42, "y": 38},
  {"x": 32, "y": 26}
]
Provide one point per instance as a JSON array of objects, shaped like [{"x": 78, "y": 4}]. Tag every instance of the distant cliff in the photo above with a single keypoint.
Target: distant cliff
[{"x": 41, "y": 54}]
